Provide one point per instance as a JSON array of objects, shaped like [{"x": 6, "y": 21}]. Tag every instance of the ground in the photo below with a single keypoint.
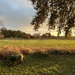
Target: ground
[
  {"x": 69, "y": 44},
  {"x": 38, "y": 65},
  {"x": 53, "y": 64}
]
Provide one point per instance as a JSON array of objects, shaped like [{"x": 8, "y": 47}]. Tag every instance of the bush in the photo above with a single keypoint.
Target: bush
[
  {"x": 14, "y": 59},
  {"x": 1, "y": 36},
  {"x": 53, "y": 51},
  {"x": 73, "y": 52},
  {"x": 64, "y": 52},
  {"x": 39, "y": 54}
]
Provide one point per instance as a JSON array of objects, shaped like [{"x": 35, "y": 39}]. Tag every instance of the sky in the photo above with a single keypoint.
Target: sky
[{"x": 18, "y": 14}]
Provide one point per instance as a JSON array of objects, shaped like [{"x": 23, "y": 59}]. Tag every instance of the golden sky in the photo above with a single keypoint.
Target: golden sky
[{"x": 18, "y": 14}]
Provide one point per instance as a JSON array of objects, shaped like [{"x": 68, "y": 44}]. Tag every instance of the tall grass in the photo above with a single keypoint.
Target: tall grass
[{"x": 32, "y": 46}]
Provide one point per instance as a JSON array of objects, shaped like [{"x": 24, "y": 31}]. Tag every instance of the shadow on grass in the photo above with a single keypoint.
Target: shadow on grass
[{"x": 39, "y": 64}]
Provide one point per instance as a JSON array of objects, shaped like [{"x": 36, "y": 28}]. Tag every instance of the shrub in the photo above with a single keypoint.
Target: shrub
[
  {"x": 64, "y": 52},
  {"x": 1, "y": 36},
  {"x": 39, "y": 54},
  {"x": 73, "y": 52},
  {"x": 14, "y": 59},
  {"x": 53, "y": 51}
]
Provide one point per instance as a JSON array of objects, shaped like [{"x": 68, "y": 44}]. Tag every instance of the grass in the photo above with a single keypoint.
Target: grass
[
  {"x": 39, "y": 43},
  {"x": 36, "y": 64}
]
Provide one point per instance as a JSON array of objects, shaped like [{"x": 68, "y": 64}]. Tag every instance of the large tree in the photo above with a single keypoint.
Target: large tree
[{"x": 58, "y": 13}]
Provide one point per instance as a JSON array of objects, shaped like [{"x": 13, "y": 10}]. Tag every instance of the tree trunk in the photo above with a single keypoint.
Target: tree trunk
[
  {"x": 58, "y": 35},
  {"x": 59, "y": 32},
  {"x": 66, "y": 33}
]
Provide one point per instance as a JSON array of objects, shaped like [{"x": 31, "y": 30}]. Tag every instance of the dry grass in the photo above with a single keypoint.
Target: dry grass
[
  {"x": 8, "y": 47},
  {"x": 8, "y": 50}
]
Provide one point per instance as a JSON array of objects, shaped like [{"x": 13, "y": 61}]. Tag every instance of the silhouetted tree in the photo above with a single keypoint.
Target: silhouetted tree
[
  {"x": 28, "y": 36},
  {"x": 3, "y": 28},
  {"x": 4, "y": 31},
  {"x": 1, "y": 36},
  {"x": 46, "y": 35},
  {"x": 58, "y": 13},
  {"x": 12, "y": 34},
  {"x": 37, "y": 36}
]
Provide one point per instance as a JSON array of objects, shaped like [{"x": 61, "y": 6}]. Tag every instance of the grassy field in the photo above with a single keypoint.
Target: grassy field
[
  {"x": 39, "y": 65},
  {"x": 53, "y": 64}
]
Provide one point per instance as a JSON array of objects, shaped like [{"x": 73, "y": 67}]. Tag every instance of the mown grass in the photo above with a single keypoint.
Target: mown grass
[
  {"x": 39, "y": 43},
  {"x": 39, "y": 65}
]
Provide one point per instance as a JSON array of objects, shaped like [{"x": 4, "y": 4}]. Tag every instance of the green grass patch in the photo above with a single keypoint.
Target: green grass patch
[{"x": 51, "y": 65}]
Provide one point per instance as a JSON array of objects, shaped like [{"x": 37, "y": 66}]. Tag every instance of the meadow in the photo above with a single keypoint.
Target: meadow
[
  {"x": 38, "y": 64},
  {"x": 68, "y": 44}
]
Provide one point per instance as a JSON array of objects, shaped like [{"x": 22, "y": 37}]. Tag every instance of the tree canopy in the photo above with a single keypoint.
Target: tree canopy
[{"x": 58, "y": 13}]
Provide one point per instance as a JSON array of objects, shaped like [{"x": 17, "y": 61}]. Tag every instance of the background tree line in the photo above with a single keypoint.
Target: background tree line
[
  {"x": 13, "y": 33},
  {"x": 5, "y": 33}
]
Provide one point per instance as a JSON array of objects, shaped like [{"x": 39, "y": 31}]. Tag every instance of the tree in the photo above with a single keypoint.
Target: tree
[
  {"x": 46, "y": 35},
  {"x": 3, "y": 28},
  {"x": 1, "y": 36},
  {"x": 4, "y": 31},
  {"x": 13, "y": 34},
  {"x": 37, "y": 36},
  {"x": 58, "y": 13}
]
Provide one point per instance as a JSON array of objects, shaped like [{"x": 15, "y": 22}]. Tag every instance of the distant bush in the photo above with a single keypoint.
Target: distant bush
[
  {"x": 36, "y": 36},
  {"x": 46, "y": 35},
  {"x": 28, "y": 36},
  {"x": 1, "y": 36}
]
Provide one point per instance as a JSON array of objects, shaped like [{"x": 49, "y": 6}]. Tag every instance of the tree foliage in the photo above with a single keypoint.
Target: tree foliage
[
  {"x": 59, "y": 13},
  {"x": 12, "y": 34}
]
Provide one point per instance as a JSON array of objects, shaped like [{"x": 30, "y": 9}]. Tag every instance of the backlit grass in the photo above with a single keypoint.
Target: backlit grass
[{"x": 39, "y": 43}]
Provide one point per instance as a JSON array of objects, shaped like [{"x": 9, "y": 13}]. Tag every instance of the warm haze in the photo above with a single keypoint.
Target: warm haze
[{"x": 18, "y": 14}]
